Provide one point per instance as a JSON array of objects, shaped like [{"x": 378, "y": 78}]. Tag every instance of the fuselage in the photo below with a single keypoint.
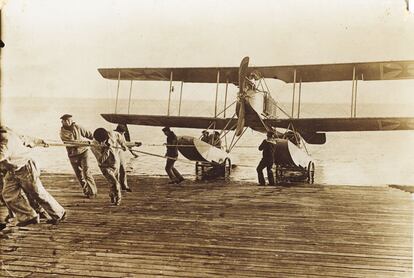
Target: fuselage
[{"x": 257, "y": 106}]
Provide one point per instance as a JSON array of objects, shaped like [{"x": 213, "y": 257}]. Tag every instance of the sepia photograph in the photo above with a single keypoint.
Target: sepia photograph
[{"x": 206, "y": 138}]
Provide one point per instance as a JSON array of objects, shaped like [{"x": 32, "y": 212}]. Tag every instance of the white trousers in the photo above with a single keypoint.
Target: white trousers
[{"x": 27, "y": 179}]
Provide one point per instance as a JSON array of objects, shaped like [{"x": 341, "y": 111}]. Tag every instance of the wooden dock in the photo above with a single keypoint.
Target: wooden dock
[{"x": 217, "y": 230}]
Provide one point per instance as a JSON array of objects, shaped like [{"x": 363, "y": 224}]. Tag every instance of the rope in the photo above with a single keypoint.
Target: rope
[
  {"x": 147, "y": 145},
  {"x": 164, "y": 145},
  {"x": 168, "y": 157},
  {"x": 186, "y": 161},
  {"x": 86, "y": 143}
]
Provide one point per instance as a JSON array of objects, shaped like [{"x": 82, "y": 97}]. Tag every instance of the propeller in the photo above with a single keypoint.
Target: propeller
[{"x": 241, "y": 110}]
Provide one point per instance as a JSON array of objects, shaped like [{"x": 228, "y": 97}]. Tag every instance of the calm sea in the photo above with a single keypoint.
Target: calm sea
[{"x": 357, "y": 158}]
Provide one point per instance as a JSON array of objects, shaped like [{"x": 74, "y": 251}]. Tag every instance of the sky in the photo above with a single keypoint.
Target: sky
[{"x": 54, "y": 47}]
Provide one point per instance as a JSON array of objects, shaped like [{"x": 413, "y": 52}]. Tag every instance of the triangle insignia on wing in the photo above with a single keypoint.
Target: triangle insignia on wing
[
  {"x": 410, "y": 124},
  {"x": 391, "y": 71},
  {"x": 388, "y": 124}
]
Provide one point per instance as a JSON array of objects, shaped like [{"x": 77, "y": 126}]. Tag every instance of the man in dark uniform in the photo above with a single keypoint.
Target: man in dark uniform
[
  {"x": 78, "y": 156},
  {"x": 268, "y": 151},
  {"x": 172, "y": 154}
]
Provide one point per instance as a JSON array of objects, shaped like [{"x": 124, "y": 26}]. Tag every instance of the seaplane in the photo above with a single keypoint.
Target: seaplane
[{"x": 255, "y": 108}]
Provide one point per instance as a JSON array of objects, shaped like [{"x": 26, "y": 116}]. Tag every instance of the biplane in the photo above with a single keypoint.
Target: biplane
[{"x": 255, "y": 108}]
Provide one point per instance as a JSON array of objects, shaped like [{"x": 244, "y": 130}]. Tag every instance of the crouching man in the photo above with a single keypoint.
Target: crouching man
[
  {"x": 23, "y": 176},
  {"x": 104, "y": 150}
]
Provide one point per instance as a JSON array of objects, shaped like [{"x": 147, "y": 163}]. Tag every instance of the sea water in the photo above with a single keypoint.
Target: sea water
[{"x": 355, "y": 158}]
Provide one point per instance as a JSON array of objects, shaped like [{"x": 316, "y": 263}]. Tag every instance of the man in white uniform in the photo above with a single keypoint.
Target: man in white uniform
[{"x": 23, "y": 175}]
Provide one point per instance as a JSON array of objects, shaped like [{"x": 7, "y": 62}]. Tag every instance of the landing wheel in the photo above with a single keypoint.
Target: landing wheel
[
  {"x": 227, "y": 169},
  {"x": 199, "y": 171},
  {"x": 279, "y": 174},
  {"x": 276, "y": 177},
  {"x": 311, "y": 172}
]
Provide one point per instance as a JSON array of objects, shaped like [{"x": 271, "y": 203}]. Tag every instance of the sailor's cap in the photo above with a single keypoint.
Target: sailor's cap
[{"x": 66, "y": 116}]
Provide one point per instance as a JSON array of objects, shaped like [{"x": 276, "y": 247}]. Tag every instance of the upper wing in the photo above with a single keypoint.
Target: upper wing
[
  {"x": 387, "y": 70},
  {"x": 172, "y": 121},
  {"x": 194, "y": 75},
  {"x": 391, "y": 70},
  {"x": 312, "y": 125}
]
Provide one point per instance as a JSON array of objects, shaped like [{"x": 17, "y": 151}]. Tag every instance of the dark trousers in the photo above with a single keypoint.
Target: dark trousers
[
  {"x": 172, "y": 172},
  {"x": 268, "y": 165}
]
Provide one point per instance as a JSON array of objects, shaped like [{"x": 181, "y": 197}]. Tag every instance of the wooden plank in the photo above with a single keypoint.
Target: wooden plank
[{"x": 216, "y": 229}]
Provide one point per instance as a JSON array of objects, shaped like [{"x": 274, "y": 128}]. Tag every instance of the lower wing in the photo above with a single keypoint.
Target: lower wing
[
  {"x": 344, "y": 124},
  {"x": 172, "y": 121},
  {"x": 311, "y": 129}
]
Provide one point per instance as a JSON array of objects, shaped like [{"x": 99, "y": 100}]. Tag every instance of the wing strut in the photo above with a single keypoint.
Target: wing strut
[
  {"x": 294, "y": 92},
  {"x": 225, "y": 98},
  {"x": 117, "y": 91},
  {"x": 181, "y": 96},
  {"x": 300, "y": 94},
  {"x": 353, "y": 92},
  {"x": 355, "y": 79},
  {"x": 217, "y": 89},
  {"x": 169, "y": 93},
  {"x": 129, "y": 100}
]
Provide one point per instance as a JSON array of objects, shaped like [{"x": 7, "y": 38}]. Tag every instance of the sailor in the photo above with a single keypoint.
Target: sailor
[
  {"x": 205, "y": 136},
  {"x": 33, "y": 203},
  {"x": 23, "y": 176},
  {"x": 119, "y": 135},
  {"x": 78, "y": 156},
  {"x": 172, "y": 155},
  {"x": 217, "y": 140},
  {"x": 268, "y": 150},
  {"x": 104, "y": 149},
  {"x": 214, "y": 139},
  {"x": 10, "y": 214}
]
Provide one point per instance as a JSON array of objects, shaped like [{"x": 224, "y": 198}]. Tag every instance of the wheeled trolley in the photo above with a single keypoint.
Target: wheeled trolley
[
  {"x": 291, "y": 173},
  {"x": 292, "y": 163},
  {"x": 210, "y": 162},
  {"x": 209, "y": 171}
]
